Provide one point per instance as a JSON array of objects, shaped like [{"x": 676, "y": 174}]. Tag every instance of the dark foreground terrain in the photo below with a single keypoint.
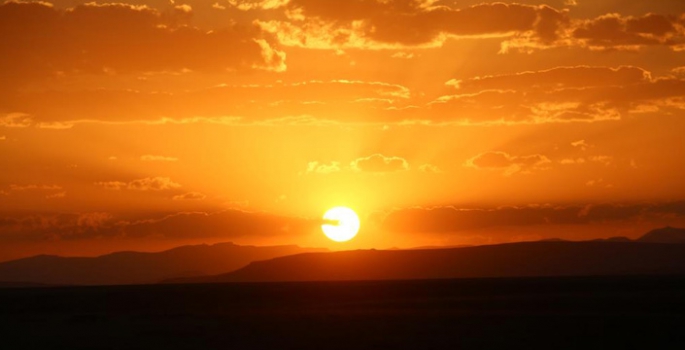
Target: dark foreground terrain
[
  {"x": 523, "y": 313},
  {"x": 511, "y": 260}
]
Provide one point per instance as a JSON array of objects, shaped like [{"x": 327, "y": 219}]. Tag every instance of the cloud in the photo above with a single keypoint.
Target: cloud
[
  {"x": 152, "y": 184},
  {"x": 193, "y": 196},
  {"x": 16, "y": 120},
  {"x": 454, "y": 219},
  {"x": 323, "y": 168},
  {"x": 401, "y": 24},
  {"x": 508, "y": 164},
  {"x": 47, "y": 191},
  {"x": 601, "y": 159},
  {"x": 15, "y": 187},
  {"x": 230, "y": 223},
  {"x": 397, "y": 24},
  {"x": 403, "y": 55},
  {"x": 146, "y": 184},
  {"x": 569, "y": 161},
  {"x": 36, "y": 227},
  {"x": 429, "y": 168},
  {"x": 378, "y": 163},
  {"x": 218, "y": 6},
  {"x": 581, "y": 144},
  {"x": 577, "y": 94},
  {"x": 227, "y": 224},
  {"x": 257, "y": 5},
  {"x": 606, "y": 160},
  {"x": 112, "y": 185},
  {"x": 223, "y": 104},
  {"x": 611, "y": 31},
  {"x": 556, "y": 78},
  {"x": 573, "y": 94},
  {"x": 154, "y": 158},
  {"x": 56, "y": 195},
  {"x": 497, "y": 107},
  {"x": 598, "y": 183},
  {"x": 98, "y": 38}
]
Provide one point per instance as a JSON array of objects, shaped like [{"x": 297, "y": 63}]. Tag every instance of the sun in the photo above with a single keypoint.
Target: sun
[{"x": 345, "y": 226}]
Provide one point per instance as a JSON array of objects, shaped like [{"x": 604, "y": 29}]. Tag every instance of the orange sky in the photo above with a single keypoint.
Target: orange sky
[{"x": 152, "y": 123}]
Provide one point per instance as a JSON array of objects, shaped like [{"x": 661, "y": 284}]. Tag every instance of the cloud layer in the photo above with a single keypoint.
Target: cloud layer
[
  {"x": 372, "y": 24},
  {"x": 454, "y": 219},
  {"x": 39, "y": 40},
  {"x": 507, "y": 163},
  {"x": 183, "y": 225},
  {"x": 146, "y": 184}
]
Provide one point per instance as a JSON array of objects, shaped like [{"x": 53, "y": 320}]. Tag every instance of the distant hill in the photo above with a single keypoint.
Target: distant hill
[
  {"x": 613, "y": 239},
  {"x": 529, "y": 259},
  {"x": 664, "y": 235},
  {"x": 137, "y": 267}
]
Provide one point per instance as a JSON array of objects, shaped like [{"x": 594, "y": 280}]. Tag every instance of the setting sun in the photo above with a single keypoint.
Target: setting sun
[{"x": 346, "y": 226}]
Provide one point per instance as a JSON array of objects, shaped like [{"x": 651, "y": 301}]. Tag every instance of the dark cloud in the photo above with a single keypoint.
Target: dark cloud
[
  {"x": 559, "y": 95},
  {"x": 394, "y": 24},
  {"x": 39, "y": 40},
  {"x": 226, "y": 224},
  {"x": 614, "y": 31},
  {"x": 452, "y": 219},
  {"x": 398, "y": 23}
]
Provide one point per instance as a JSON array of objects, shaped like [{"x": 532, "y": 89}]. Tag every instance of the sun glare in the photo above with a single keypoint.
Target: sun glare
[{"x": 342, "y": 224}]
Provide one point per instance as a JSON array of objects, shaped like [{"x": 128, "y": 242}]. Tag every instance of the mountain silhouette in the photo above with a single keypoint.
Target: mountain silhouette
[
  {"x": 137, "y": 267},
  {"x": 618, "y": 239},
  {"x": 664, "y": 235},
  {"x": 527, "y": 259}
]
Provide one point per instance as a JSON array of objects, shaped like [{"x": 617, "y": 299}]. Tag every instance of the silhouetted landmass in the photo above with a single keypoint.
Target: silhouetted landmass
[
  {"x": 664, "y": 235},
  {"x": 615, "y": 239},
  {"x": 528, "y": 259},
  {"x": 137, "y": 267},
  {"x": 425, "y": 247}
]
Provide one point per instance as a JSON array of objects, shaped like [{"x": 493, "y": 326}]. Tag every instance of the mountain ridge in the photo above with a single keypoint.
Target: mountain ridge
[
  {"x": 130, "y": 267},
  {"x": 228, "y": 262},
  {"x": 524, "y": 259},
  {"x": 666, "y": 234}
]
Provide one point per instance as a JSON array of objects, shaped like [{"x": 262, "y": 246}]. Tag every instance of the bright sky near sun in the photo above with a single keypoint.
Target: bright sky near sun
[{"x": 146, "y": 124}]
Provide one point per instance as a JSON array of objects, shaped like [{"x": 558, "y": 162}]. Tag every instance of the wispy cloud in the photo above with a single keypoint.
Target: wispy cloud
[
  {"x": 508, "y": 164},
  {"x": 378, "y": 163},
  {"x": 155, "y": 158},
  {"x": 158, "y": 183}
]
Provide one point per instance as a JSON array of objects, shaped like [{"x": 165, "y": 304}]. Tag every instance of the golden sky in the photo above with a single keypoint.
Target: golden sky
[{"x": 152, "y": 123}]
